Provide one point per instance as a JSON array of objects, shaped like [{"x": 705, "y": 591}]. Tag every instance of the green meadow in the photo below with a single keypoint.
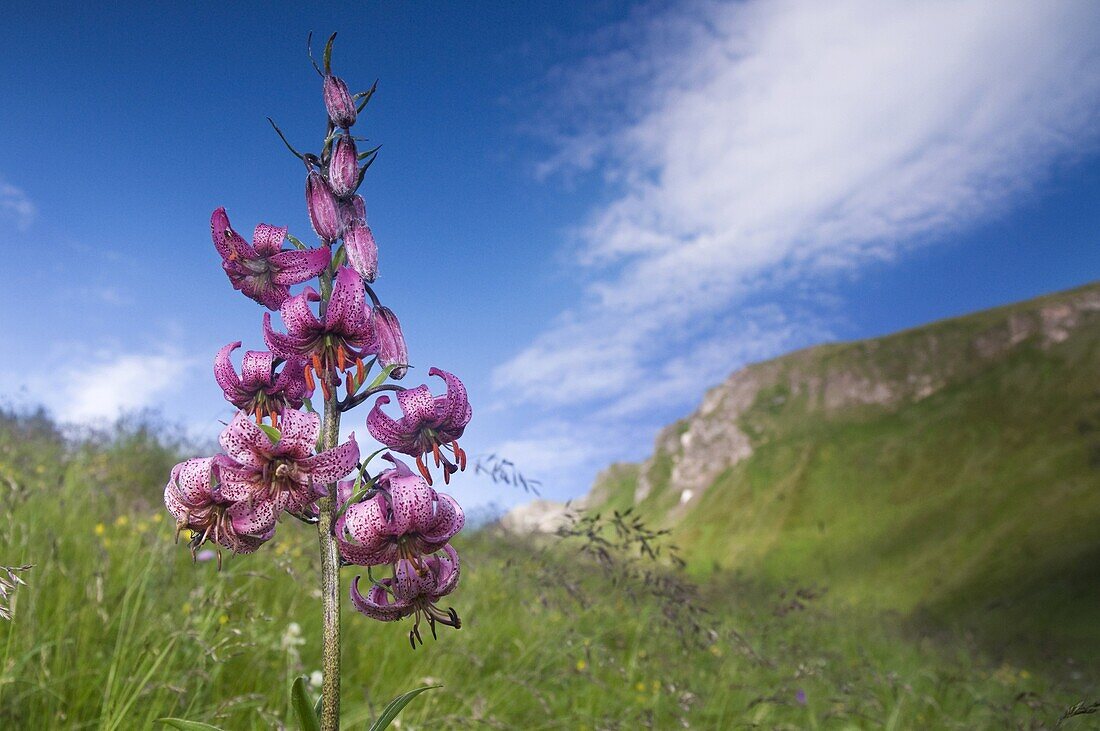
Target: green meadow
[{"x": 117, "y": 627}]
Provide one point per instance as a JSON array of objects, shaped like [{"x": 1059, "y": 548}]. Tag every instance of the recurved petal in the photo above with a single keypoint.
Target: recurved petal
[
  {"x": 299, "y": 430},
  {"x": 227, "y": 241},
  {"x": 281, "y": 344},
  {"x": 268, "y": 239},
  {"x": 333, "y": 464},
  {"x": 295, "y": 267},
  {"x": 245, "y": 442},
  {"x": 224, "y": 372},
  {"x": 298, "y": 315},
  {"x": 447, "y": 522},
  {"x": 252, "y": 517},
  {"x": 446, "y": 572},
  {"x": 376, "y": 604},
  {"x": 455, "y": 406},
  {"x": 291, "y": 382},
  {"x": 417, "y": 404},
  {"x": 389, "y": 432},
  {"x": 193, "y": 480},
  {"x": 256, "y": 369}
]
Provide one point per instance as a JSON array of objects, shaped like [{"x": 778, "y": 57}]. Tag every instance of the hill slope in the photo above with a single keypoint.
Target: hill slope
[{"x": 953, "y": 468}]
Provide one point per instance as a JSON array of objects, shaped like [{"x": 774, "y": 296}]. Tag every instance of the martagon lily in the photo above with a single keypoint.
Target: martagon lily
[
  {"x": 282, "y": 472},
  {"x": 281, "y": 456},
  {"x": 429, "y": 423},
  {"x": 340, "y": 338},
  {"x": 404, "y": 519},
  {"x": 262, "y": 270},
  {"x": 194, "y": 498},
  {"x": 414, "y": 589},
  {"x": 259, "y": 389}
]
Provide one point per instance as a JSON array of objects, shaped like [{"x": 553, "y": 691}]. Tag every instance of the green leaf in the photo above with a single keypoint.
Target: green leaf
[
  {"x": 390, "y": 711},
  {"x": 303, "y": 706},
  {"x": 297, "y": 243},
  {"x": 308, "y": 406},
  {"x": 272, "y": 433},
  {"x": 187, "y": 725},
  {"x": 385, "y": 374}
]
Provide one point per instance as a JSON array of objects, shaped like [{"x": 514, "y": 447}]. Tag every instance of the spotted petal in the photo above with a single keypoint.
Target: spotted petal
[
  {"x": 245, "y": 442},
  {"x": 268, "y": 239},
  {"x": 224, "y": 372},
  {"x": 295, "y": 267},
  {"x": 333, "y": 464}
]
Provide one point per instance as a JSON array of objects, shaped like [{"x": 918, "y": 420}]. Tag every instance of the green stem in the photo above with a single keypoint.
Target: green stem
[{"x": 330, "y": 574}]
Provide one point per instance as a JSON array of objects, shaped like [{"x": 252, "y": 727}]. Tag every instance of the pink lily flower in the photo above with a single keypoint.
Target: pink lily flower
[
  {"x": 259, "y": 389},
  {"x": 330, "y": 344},
  {"x": 286, "y": 473},
  {"x": 414, "y": 589},
  {"x": 429, "y": 422},
  {"x": 194, "y": 498},
  {"x": 405, "y": 519},
  {"x": 262, "y": 270}
]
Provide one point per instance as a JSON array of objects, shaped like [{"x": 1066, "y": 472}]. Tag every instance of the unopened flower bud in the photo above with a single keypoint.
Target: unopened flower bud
[
  {"x": 343, "y": 169},
  {"x": 353, "y": 209},
  {"x": 323, "y": 207},
  {"x": 361, "y": 249},
  {"x": 338, "y": 102},
  {"x": 391, "y": 342}
]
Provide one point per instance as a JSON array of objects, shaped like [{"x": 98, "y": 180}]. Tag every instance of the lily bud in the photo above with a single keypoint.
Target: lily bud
[
  {"x": 338, "y": 102},
  {"x": 343, "y": 169},
  {"x": 391, "y": 342},
  {"x": 361, "y": 249},
  {"x": 323, "y": 207},
  {"x": 353, "y": 209}
]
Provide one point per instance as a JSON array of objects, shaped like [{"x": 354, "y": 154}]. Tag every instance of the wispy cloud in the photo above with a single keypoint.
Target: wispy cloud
[
  {"x": 756, "y": 149},
  {"x": 110, "y": 385},
  {"x": 16, "y": 206},
  {"x": 776, "y": 141}
]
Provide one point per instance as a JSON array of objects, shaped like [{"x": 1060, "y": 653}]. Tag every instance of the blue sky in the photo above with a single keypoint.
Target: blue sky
[{"x": 592, "y": 212}]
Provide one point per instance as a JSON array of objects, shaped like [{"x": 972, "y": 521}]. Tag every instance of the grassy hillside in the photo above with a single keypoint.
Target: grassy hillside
[
  {"x": 117, "y": 627},
  {"x": 951, "y": 470}
]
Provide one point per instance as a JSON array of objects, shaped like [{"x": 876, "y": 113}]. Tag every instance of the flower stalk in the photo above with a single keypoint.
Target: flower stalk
[{"x": 281, "y": 458}]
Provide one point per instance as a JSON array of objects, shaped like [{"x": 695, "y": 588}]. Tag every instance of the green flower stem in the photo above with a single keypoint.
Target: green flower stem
[{"x": 330, "y": 569}]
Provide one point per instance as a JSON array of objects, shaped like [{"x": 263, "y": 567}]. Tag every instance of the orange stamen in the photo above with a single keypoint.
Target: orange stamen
[
  {"x": 341, "y": 361},
  {"x": 317, "y": 364},
  {"x": 360, "y": 372},
  {"x": 460, "y": 455},
  {"x": 423, "y": 469},
  {"x": 259, "y": 413},
  {"x": 436, "y": 454},
  {"x": 309, "y": 379}
]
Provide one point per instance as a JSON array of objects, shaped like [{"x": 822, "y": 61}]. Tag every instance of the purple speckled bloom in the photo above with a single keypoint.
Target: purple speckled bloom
[
  {"x": 405, "y": 519},
  {"x": 339, "y": 102},
  {"x": 428, "y": 423},
  {"x": 343, "y": 337},
  {"x": 262, "y": 270},
  {"x": 259, "y": 389},
  {"x": 343, "y": 168},
  {"x": 324, "y": 211},
  {"x": 194, "y": 498},
  {"x": 414, "y": 589},
  {"x": 391, "y": 342},
  {"x": 362, "y": 250},
  {"x": 285, "y": 474}
]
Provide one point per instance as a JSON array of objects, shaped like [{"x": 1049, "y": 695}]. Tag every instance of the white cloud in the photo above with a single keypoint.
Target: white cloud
[
  {"x": 758, "y": 146},
  {"x": 110, "y": 386},
  {"x": 15, "y": 205}
]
